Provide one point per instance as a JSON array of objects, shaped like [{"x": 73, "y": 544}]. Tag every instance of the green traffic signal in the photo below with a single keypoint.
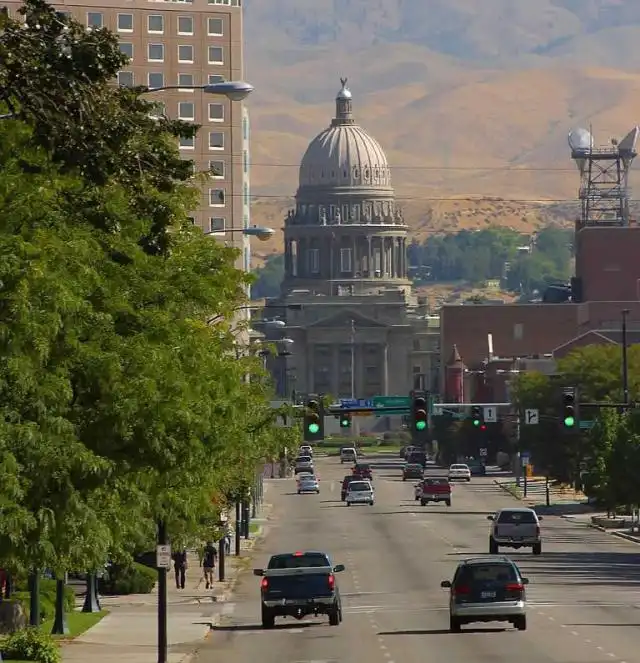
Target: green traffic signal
[
  {"x": 314, "y": 428},
  {"x": 569, "y": 422},
  {"x": 421, "y": 425},
  {"x": 476, "y": 422}
]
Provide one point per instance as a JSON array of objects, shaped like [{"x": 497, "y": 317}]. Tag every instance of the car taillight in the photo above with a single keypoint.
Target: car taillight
[
  {"x": 515, "y": 587},
  {"x": 264, "y": 584},
  {"x": 462, "y": 590},
  {"x": 332, "y": 581}
]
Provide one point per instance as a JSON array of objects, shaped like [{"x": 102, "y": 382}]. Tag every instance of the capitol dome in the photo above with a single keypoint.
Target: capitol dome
[{"x": 344, "y": 154}]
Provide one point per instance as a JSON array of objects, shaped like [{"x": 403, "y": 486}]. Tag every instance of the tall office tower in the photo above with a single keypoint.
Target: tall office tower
[{"x": 186, "y": 43}]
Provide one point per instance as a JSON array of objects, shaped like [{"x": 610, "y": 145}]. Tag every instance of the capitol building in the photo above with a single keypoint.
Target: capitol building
[{"x": 357, "y": 328}]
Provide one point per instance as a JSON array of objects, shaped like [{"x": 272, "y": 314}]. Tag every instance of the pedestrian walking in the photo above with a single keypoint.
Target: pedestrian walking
[
  {"x": 180, "y": 567},
  {"x": 209, "y": 557}
]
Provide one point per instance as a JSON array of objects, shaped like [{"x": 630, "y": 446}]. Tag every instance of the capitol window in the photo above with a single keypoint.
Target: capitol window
[
  {"x": 365, "y": 174},
  {"x": 314, "y": 261},
  {"x": 356, "y": 172},
  {"x": 345, "y": 260}
]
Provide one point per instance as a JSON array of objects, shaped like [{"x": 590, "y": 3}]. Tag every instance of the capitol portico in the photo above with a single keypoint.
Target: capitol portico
[{"x": 346, "y": 298}]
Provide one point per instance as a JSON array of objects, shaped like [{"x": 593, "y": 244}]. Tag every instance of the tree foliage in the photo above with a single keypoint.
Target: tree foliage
[
  {"x": 495, "y": 254},
  {"x": 268, "y": 277},
  {"x": 605, "y": 458},
  {"x": 119, "y": 403}
]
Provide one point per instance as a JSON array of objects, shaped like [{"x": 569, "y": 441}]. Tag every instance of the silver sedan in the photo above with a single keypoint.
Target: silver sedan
[{"x": 308, "y": 484}]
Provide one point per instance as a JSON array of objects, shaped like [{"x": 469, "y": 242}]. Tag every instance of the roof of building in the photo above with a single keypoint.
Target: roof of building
[{"x": 344, "y": 154}]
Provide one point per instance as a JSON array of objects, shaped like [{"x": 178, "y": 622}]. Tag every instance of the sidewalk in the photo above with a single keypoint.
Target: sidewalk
[
  {"x": 562, "y": 500},
  {"x": 619, "y": 526},
  {"x": 129, "y": 632}
]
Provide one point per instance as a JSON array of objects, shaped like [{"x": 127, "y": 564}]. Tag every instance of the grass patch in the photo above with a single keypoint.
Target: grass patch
[
  {"x": 78, "y": 623},
  {"x": 254, "y": 528}
]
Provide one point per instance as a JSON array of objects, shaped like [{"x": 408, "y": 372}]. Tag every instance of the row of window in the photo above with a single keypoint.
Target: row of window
[
  {"x": 187, "y": 109},
  {"x": 157, "y": 53},
  {"x": 216, "y": 224},
  {"x": 156, "y": 24},
  {"x": 218, "y": 197}
]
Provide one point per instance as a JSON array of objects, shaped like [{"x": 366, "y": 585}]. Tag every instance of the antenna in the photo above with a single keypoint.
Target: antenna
[{"x": 604, "y": 177}]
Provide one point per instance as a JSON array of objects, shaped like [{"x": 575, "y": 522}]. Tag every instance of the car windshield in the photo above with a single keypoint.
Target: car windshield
[
  {"x": 297, "y": 561},
  {"x": 363, "y": 467},
  {"x": 414, "y": 466},
  {"x": 436, "y": 482},
  {"x": 459, "y": 467},
  {"x": 359, "y": 486},
  {"x": 348, "y": 452},
  {"x": 303, "y": 459},
  {"x": 308, "y": 479},
  {"x": 492, "y": 572},
  {"x": 517, "y": 517}
]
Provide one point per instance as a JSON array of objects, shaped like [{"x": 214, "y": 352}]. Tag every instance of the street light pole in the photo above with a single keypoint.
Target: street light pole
[
  {"x": 625, "y": 361},
  {"x": 163, "y": 647}
]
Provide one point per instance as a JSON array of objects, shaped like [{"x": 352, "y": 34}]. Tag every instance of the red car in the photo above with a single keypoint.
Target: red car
[{"x": 362, "y": 471}]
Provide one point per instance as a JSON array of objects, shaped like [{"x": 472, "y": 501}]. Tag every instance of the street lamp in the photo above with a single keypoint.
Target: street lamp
[
  {"x": 233, "y": 90},
  {"x": 260, "y": 232},
  {"x": 625, "y": 361}
]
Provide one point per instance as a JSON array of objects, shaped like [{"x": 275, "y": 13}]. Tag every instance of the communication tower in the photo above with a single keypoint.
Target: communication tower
[{"x": 604, "y": 177}]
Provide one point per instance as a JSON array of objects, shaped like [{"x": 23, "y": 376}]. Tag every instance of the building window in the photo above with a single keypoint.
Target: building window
[
  {"x": 185, "y": 82},
  {"x": 217, "y": 197},
  {"x": 345, "y": 260},
  {"x": 186, "y": 110},
  {"x": 191, "y": 220},
  {"x": 185, "y": 25},
  {"x": 216, "y": 55},
  {"x": 125, "y": 78},
  {"x": 185, "y": 53},
  {"x": 217, "y": 224},
  {"x": 518, "y": 331},
  {"x": 127, "y": 49},
  {"x": 245, "y": 161},
  {"x": 95, "y": 20},
  {"x": 159, "y": 108},
  {"x": 215, "y": 27},
  {"x": 214, "y": 79},
  {"x": 416, "y": 344},
  {"x": 314, "y": 261},
  {"x": 155, "y": 52},
  {"x": 216, "y": 140},
  {"x": 245, "y": 128},
  {"x": 155, "y": 24},
  {"x": 187, "y": 143},
  {"x": 216, "y": 169},
  {"x": 245, "y": 194},
  {"x": 155, "y": 79},
  {"x": 125, "y": 22},
  {"x": 216, "y": 112}
]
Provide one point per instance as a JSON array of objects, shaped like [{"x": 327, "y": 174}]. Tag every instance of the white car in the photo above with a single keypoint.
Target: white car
[
  {"x": 306, "y": 450},
  {"x": 459, "y": 472},
  {"x": 360, "y": 492},
  {"x": 308, "y": 484},
  {"x": 304, "y": 464}
]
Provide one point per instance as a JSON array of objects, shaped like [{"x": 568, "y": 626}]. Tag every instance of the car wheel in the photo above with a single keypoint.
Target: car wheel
[
  {"x": 448, "y": 502},
  {"x": 454, "y": 624},
  {"x": 423, "y": 502},
  {"x": 493, "y": 546},
  {"x": 520, "y": 622},
  {"x": 404, "y": 478},
  {"x": 334, "y": 617},
  {"x": 416, "y": 498},
  {"x": 537, "y": 548},
  {"x": 299, "y": 492},
  {"x": 348, "y": 503},
  {"x": 268, "y": 618},
  {"x": 469, "y": 479}
]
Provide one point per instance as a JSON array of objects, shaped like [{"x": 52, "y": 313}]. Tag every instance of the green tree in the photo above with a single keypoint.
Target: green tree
[
  {"x": 268, "y": 278},
  {"x": 120, "y": 404}
]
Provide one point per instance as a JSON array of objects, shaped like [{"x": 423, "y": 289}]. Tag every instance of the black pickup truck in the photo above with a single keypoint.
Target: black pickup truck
[{"x": 287, "y": 590}]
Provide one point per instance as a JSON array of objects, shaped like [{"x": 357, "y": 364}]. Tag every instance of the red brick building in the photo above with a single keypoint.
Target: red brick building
[{"x": 607, "y": 281}]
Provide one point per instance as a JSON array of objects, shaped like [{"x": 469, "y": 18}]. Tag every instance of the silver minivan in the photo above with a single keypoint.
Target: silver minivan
[{"x": 515, "y": 528}]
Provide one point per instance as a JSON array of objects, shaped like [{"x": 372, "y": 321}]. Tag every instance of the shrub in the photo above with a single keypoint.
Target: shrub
[
  {"x": 47, "y": 599},
  {"x": 31, "y": 644},
  {"x": 130, "y": 578}
]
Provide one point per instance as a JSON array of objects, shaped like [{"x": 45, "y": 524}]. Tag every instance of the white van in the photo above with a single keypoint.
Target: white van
[{"x": 348, "y": 455}]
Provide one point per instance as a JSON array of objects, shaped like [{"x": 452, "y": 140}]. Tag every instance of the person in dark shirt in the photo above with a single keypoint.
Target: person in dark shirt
[
  {"x": 209, "y": 557},
  {"x": 180, "y": 567}
]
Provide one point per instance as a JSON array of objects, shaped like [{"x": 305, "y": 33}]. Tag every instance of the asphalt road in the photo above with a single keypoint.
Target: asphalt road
[{"x": 584, "y": 592}]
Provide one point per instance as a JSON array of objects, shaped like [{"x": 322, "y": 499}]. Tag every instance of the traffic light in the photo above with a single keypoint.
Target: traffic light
[
  {"x": 313, "y": 420},
  {"x": 569, "y": 408},
  {"x": 477, "y": 417},
  {"x": 419, "y": 412},
  {"x": 345, "y": 420}
]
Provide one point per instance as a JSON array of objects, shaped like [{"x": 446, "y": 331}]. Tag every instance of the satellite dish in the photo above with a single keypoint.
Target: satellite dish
[
  {"x": 580, "y": 140},
  {"x": 628, "y": 143}
]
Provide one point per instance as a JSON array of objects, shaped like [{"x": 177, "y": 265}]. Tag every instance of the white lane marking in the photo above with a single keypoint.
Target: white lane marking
[
  {"x": 600, "y": 648},
  {"x": 588, "y": 641},
  {"x": 563, "y": 626},
  {"x": 612, "y": 655},
  {"x": 552, "y": 619},
  {"x": 574, "y": 632},
  {"x": 387, "y": 654},
  {"x": 332, "y": 486}
]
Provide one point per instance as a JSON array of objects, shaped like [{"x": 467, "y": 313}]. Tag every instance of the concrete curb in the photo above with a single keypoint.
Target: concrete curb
[
  {"x": 633, "y": 538},
  {"x": 508, "y": 489}
]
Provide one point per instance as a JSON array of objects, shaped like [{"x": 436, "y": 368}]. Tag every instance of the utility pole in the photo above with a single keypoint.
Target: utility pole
[{"x": 354, "y": 421}]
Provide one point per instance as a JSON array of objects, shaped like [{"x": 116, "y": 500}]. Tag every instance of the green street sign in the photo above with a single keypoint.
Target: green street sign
[{"x": 391, "y": 401}]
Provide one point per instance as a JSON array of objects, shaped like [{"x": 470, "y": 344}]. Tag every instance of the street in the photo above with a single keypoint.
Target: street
[{"x": 584, "y": 592}]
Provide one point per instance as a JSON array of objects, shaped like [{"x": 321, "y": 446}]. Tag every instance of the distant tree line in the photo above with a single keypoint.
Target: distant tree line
[{"x": 520, "y": 262}]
